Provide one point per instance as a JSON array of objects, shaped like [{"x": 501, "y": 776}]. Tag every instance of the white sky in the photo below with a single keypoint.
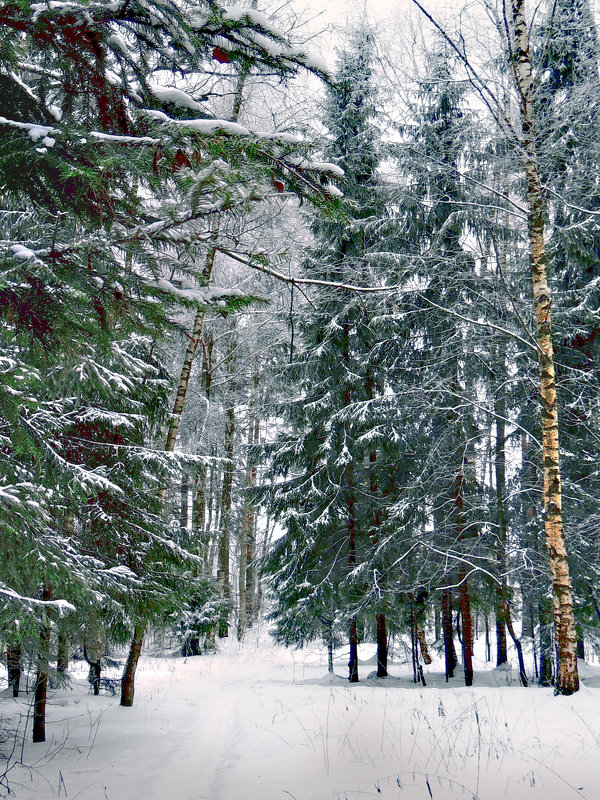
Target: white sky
[{"x": 394, "y": 20}]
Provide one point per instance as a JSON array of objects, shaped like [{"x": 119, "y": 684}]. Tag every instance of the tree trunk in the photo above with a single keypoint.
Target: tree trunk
[
  {"x": 580, "y": 645},
  {"x": 242, "y": 610},
  {"x": 62, "y": 658},
  {"x": 564, "y": 622},
  {"x": 198, "y": 519},
  {"x": 437, "y": 622},
  {"x": 545, "y": 622},
  {"x": 328, "y": 636},
  {"x": 517, "y": 643},
  {"x": 448, "y": 633},
  {"x": 464, "y": 597},
  {"x": 501, "y": 528},
  {"x": 128, "y": 680},
  {"x": 13, "y": 665},
  {"x": 41, "y": 681},
  {"x": 382, "y": 647},
  {"x": 186, "y": 369},
  {"x": 423, "y": 643},
  {"x": 93, "y": 646},
  {"x": 467, "y": 629},
  {"x": 251, "y": 544},
  {"x": 350, "y": 511},
  {"x": 414, "y": 655},
  {"x": 246, "y": 576},
  {"x": 420, "y": 620},
  {"x": 223, "y": 576},
  {"x": 353, "y": 662}
]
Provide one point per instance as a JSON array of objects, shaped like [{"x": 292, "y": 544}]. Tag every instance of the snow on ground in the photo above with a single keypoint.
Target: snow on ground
[{"x": 259, "y": 722}]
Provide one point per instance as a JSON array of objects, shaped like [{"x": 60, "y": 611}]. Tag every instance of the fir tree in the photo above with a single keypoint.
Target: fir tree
[{"x": 321, "y": 494}]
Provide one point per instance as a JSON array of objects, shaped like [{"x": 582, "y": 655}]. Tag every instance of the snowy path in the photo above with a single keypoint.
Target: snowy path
[{"x": 267, "y": 724}]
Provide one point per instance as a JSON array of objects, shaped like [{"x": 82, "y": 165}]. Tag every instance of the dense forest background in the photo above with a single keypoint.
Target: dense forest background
[{"x": 306, "y": 340}]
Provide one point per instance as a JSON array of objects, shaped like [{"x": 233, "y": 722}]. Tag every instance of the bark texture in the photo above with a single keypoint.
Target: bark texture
[
  {"x": 223, "y": 574},
  {"x": 382, "y": 647},
  {"x": 501, "y": 527},
  {"x": 41, "y": 681},
  {"x": 186, "y": 370},
  {"x": 62, "y": 657},
  {"x": 464, "y": 596},
  {"x": 448, "y": 634},
  {"x": 13, "y": 665},
  {"x": 128, "y": 680},
  {"x": 567, "y": 680}
]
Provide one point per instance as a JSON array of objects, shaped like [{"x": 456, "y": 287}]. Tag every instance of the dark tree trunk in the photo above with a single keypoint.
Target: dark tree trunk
[
  {"x": 62, "y": 658},
  {"x": 350, "y": 519},
  {"x": 580, "y": 645},
  {"x": 128, "y": 680},
  {"x": 353, "y": 662},
  {"x": 501, "y": 640},
  {"x": 467, "y": 631},
  {"x": 517, "y": 643},
  {"x": 545, "y": 619},
  {"x": 93, "y": 647},
  {"x": 420, "y": 619},
  {"x": 198, "y": 517},
  {"x": 382, "y": 647},
  {"x": 94, "y": 676},
  {"x": 41, "y": 681},
  {"x": 464, "y": 597},
  {"x": 13, "y": 665},
  {"x": 414, "y": 654},
  {"x": 448, "y": 633},
  {"x": 501, "y": 378}
]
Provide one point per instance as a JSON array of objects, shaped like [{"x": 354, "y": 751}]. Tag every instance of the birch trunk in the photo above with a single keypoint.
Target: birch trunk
[
  {"x": 186, "y": 370},
  {"x": 567, "y": 680}
]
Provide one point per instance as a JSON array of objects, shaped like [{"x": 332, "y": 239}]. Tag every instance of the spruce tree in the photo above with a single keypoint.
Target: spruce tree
[{"x": 320, "y": 494}]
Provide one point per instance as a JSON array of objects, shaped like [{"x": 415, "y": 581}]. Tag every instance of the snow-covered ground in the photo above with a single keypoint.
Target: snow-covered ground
[{"x": 259, "y": 722}]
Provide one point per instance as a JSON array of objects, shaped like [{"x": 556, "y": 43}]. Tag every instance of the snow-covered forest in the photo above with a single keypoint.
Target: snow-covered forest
[{"x": 299, "y": 399}]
